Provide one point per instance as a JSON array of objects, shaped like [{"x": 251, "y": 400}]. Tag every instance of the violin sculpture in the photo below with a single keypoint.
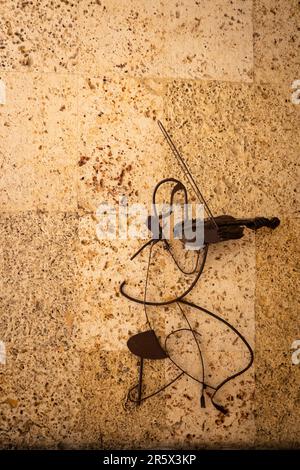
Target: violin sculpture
[{"x": 146, "y": 345}]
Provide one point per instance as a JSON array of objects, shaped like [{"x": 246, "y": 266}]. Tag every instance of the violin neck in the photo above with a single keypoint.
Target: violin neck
[
  {"x": 254, "y": 224},
  {"x": 238, "y": 222}
]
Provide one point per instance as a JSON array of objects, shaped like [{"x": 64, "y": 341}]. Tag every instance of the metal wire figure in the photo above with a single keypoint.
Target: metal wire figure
[{"x": 146, "y": 345}]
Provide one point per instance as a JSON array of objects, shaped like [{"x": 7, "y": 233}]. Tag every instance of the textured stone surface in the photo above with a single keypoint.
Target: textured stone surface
[
  {"x": 276, "y": 41},
  {"x": 120, "y": 145},
  {"x": 167, "y": 39},
  {"x": 240, "y": 142},
  {"x": 136, "y": 38},
  {"x": 85, "y": 84},
  {"x": 277, "y": 327},
  {"x": 277, "y": 399},
  {"x": 120, "y": 155},
  {"x": 277, "y": 286},
  {"x": 275, "y": 146},
  {"x": 226, "y": 288},
  {"x": 38, "y": 142},
  {"x": 189, "y": 426},
  {"x": 108, "y": 420},
  {"x": 39, "y": 35},
  {"x": 210, "y": 123},
  {"x": 40, "y": 400},
  {"x": 20, "y": 140},
  {"x": 38, "y": 295}
]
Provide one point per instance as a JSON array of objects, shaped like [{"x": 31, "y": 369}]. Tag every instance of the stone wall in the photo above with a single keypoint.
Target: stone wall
[{"x": 85, "y": 82}]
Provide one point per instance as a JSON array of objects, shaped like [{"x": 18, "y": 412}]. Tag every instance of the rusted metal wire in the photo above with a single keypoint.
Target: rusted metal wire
[{"x": 146, "y": 344}]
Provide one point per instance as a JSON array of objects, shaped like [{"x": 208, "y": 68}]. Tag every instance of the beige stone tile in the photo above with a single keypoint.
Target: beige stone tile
[
  {"x": 39, "y": 383},
  {"x": 276, "y": 170},
  {"x": 59, "y": 103},
  {"x": 39, "y": 35},
  {"x": 167, "y": 39},
  {"x": 39, "y": 292},
  {"x": 39, "y": 142},
  {"x": 276, "y": 41},
  {"x": 55, "y": 187},
  {"x": 56, "y": 169},
  {"x": 107, "y": 321},
  {"x": 190, "y": 426},
  {"x": 106, "y": 420},
  {"x": 277, "y": 400},
  {"x": 277, "y": 327},
  {"x": 226, "y": 288},
  {"x": 20, "y": 140},
  {"x": 208, "y": 122},
  {"x": 277, "y": 287},
  {"x": 120, "y": 154},
  {"x": 240, "y": 143},
  {"x": 106, "y": 317},
  {"x": 184, "y": 39},
  {"x": 40, "y": 400}
]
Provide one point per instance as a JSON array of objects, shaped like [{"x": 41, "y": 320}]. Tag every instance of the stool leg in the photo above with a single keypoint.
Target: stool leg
[{"x": 140, "y": 381}]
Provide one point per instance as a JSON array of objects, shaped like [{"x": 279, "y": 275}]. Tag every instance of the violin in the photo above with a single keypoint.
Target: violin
[{"x": 227, "y": 228}]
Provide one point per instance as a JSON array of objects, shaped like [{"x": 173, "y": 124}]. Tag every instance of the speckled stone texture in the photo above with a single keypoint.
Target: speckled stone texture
[
  {"x": 85, "y": 84},
  {"x": 276, "y": 41},
  {"x": 39, "y": 35},
  {"x": 40, "y": 399},
  {"x": 38, "y": 138},
  {"x": 167, "y": 38},
  {"x": 277, "y": 327}
]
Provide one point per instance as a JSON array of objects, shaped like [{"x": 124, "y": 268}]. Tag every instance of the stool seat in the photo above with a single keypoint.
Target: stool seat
[{"x": 146, "y": 346}]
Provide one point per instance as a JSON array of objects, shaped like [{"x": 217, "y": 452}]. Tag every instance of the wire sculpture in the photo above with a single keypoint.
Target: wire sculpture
[{"x": 146, "y": 345}]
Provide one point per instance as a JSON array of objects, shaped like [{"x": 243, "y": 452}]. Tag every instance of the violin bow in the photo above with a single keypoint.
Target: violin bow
[{"x": 186, "y": 171}]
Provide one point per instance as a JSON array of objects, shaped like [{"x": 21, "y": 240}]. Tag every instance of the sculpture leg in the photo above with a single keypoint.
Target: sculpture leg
[{"x": 140, "y": 381}]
